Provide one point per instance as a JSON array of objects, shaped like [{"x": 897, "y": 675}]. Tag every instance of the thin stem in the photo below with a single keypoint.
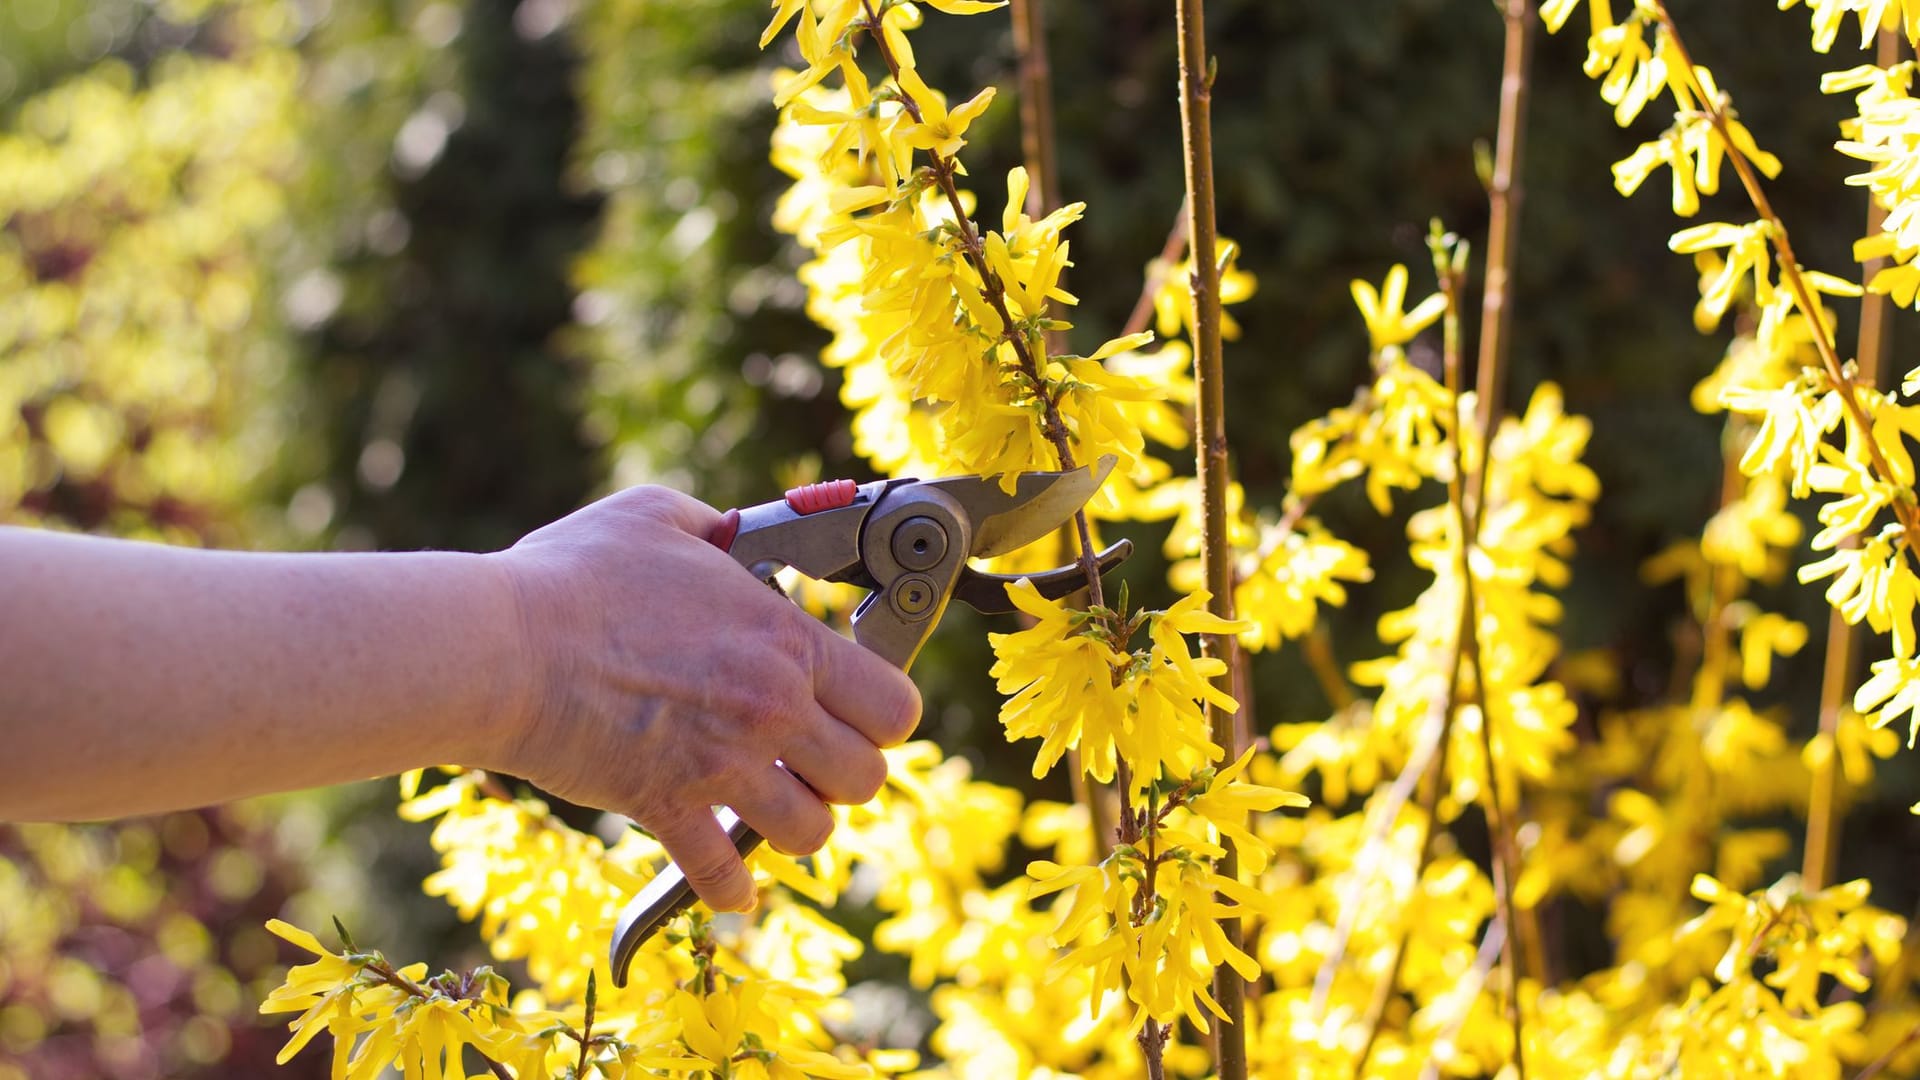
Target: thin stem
[
  {"x": 491, "y": 787},
  {"x": 1157, "y": 272},
  {"x": 1903, "y": 508},
  {"x": 1141, "y": 828},
  {"x": 1490, "y": 950},
  {"x": 586, "y": 1034},
  {"x": 1210, "y": 448},
  {"x": 1430, "y": 785},
  {"x": 1723, "y": 587},
  {"x": 1242, "y": 676},
  {"x": 1317, "y": 647},
  {"x": 389, "y": 975},
  {"x": 1504, "y": 194},
  {"x": 1823, "y": 811},
  {"x": 1380, "y": 825},
  {"x": 1505, "y": 873},
  {"x": 1036, "y": 120},
  {"x": 1466, "y": 520},
  {"x": 1466, "y": 650},
  {"x": 1036, "y": 106},
  {"x": 1043, "y": 198},
  {"x": 1153, "y": 1045},
  {"x": 393, "y": 978},
  {"x": 1879, "y": 1065},
  {"x": 994, "y": 291}
]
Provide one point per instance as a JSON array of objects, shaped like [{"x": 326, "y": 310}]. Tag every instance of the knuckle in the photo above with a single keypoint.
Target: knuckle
[
  {"x": 650, "y": 500},
  {"x": 763, "y": 712},
  {"x": 646, "y": 811},
  {"x": 796, "y": 635}
]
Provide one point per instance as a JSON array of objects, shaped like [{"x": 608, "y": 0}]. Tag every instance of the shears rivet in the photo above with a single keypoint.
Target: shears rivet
[
  {"x": 912, "y": 595},
  {"x": 919, "y": 543}
]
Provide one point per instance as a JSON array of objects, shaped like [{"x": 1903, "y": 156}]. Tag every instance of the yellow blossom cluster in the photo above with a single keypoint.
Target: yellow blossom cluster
[
  {"x": 1147, "y": 920},
  {"x": 941, "y": 329},
  {"x": 701, "y": 999},
  {"x": 135, "y": 216},
  {"x": 1733, "y": 991},
  {"x": 940, "y": 326},
  {"x": 1075, "y": 687},
  {"x": 1821, "y": 429}
]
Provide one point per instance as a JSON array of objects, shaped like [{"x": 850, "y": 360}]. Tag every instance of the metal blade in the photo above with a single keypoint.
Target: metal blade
[
  {"x": 1040, "y": 503},
  {"x": 987, "y": 593}
]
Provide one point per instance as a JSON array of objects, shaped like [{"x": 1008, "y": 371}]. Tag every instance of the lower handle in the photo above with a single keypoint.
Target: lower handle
[{"x": 667, "y": 895}]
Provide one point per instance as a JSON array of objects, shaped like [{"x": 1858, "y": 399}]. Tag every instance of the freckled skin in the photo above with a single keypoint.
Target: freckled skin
[{"x": 614, "y": 658}]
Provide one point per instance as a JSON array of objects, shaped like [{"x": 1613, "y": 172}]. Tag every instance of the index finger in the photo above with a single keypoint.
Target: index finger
[{"x": 864, "y": 692}]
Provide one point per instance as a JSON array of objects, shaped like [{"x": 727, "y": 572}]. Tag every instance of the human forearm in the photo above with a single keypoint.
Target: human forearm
[
  {"x": 615, "y": 658},
  {"x": 136, "y": 677}
]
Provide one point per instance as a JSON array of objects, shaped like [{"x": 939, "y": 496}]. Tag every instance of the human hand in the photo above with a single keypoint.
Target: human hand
[{"x": 668, "y": 680}]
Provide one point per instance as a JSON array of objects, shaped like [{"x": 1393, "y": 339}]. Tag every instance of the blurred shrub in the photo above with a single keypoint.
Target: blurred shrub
[
  {"x": 437, "y": 237},
  {"x": 135, "y": 950},
  {"x": 141, "y": 394},
  {"x": 131, "y": 400}
]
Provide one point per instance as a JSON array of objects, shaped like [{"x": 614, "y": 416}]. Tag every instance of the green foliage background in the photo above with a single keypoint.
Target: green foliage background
[{"x": 517, "y": 253}]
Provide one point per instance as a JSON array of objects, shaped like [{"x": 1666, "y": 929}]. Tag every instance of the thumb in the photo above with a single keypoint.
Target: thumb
[{"x": 663, "y": 504}]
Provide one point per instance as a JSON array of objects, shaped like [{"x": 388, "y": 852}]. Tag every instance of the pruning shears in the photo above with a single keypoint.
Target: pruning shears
[{"x": 908, "y": 542}]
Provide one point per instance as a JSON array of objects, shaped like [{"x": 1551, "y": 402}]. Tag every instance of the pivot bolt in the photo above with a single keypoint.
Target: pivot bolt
[{"x": 919, "y": 543}]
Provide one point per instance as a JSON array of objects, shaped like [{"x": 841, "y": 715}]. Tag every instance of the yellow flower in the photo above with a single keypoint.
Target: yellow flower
[
  {"x": 965, "y": 7},
  {"x": 1761, "y": 636},
  {"x": 1388, "y": 325},
  {"x": 1874, "y": 15},
  {"x": 1749, "y": 253},
  {"x": 1751, "y": 533},
  {"x": 1226, "y": 803},
  {"x": 1792, "y": 420},
  {"x": 1296, "y": 571},
  {"x": 1173, "y": 304},
  {"x": 734, "y": 1030},
  {"x": 1858, "y": 744},
  {"x": 320, "y": 991},
  {"x": 1555, "y": 12},
  {"x": 1062, "y": 675},
  {"x": 939, "y": 130},
  {"x": 1893, "y": 689}
]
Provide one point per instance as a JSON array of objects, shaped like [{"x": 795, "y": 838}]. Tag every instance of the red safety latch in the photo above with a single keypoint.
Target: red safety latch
[{"x": 825, "y": 495}]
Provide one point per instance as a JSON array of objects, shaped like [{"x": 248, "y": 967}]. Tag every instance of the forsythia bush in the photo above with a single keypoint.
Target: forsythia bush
[{"x": 1373, "y": 928}]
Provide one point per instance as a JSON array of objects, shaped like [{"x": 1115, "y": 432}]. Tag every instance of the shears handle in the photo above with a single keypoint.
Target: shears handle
[{"x": 666, "y": 896}]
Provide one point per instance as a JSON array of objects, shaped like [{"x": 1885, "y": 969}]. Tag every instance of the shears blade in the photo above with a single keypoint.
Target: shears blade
[{"x": 1040, "y": 502}]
